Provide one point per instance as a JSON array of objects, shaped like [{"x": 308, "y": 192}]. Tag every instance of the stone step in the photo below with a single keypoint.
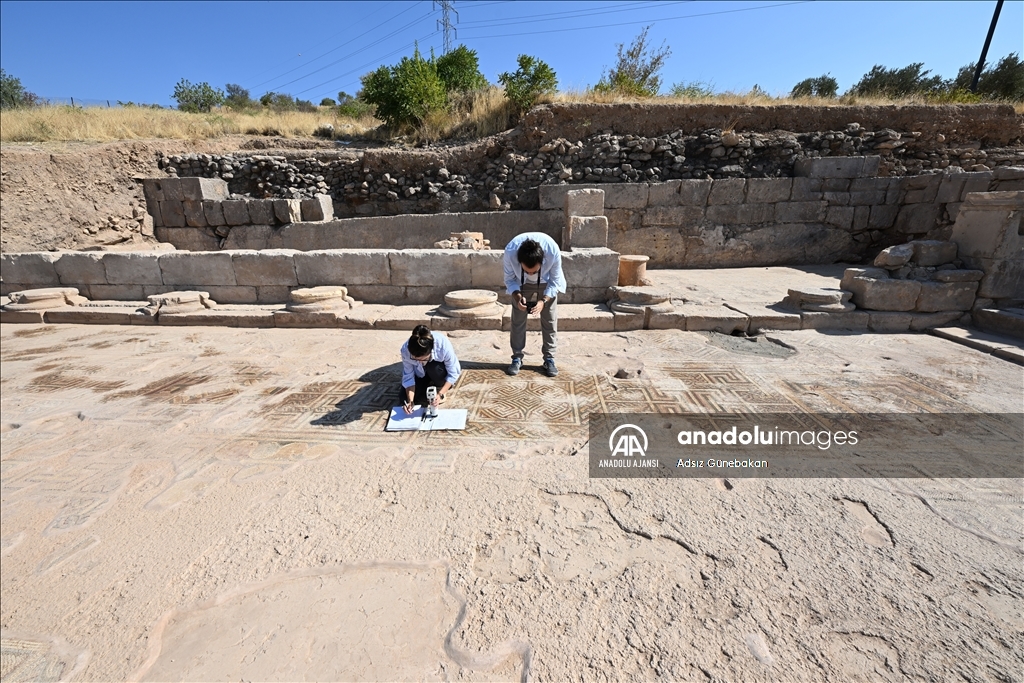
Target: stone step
[
  {"x": 998, "y": 345},
  {"x": 1005, "y": 321}
]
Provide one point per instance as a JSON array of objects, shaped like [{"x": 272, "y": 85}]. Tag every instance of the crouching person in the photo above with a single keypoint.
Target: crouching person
[{"x": 428, "y": 359}]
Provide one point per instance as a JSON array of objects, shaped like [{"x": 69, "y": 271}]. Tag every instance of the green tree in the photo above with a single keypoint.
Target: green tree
[
  {"x": 405, "y": 94},
  {"x": 910, "y": 80},
  {"x": 459, "y": 70},
  {"x": 532, "y": 79},
  {"x": 328, "y": 102},
  {"x": 822, "y": 86},
  {"x": 13, "y": 93},
  {"x": 353, "y": 106},
  {"x": 278, "y": 101},
  {"x": 238, "y": 97},
  {"x": 197, "y": 98},
  {"x": 1004, "y": 81},
  {"x": 636, "y": 69}
]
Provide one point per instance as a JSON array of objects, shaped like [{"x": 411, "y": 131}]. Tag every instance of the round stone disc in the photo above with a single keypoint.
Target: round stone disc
[
  {"x": 469, "y": 298},
  {"x": 313, "y": 294}
]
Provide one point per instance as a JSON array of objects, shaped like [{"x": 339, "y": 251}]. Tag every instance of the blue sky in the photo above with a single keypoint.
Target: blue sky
[{"x": 97, "y": 51}]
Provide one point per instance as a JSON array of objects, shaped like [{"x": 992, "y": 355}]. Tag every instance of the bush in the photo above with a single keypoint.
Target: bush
[
  {"x": 353, "y": 107},
  {"x": 238, "y": 97},
  {"x": 636, "y": 69},
  {"x": 532, "y": 79},
  {"x": 1004, "y": 81},
  {"x": 693, "y": 90},
  {"x": 822, "y": 86},
  {"x": 405, "y": 94},
  {"x": 895, "y": 83},
  {"x": 197, "y": 98},
  {"x": 459, "y": 70},
  {"x": 328, "y": 102},
  {"x": 13, "y": 94}
]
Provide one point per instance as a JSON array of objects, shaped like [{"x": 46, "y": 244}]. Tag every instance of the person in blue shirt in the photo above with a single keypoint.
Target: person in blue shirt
[
  {"x": 428, "y": 359},
  {"x": 533, "y": 277}
]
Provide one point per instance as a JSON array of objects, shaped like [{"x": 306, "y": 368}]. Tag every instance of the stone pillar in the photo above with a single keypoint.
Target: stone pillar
[
  {"x": 633, "y": 270},
  {"x": 990, "y": 238},
  {"x": 586, "y": 226}
]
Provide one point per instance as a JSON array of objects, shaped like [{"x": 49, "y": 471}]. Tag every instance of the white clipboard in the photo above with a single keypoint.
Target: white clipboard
[{"x": 446, "y": 420}]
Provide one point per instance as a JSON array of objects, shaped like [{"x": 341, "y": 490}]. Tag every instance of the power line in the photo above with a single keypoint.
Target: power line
[
  {"x": 646, "y": 21},
  {"x": 573, "y": 14}
]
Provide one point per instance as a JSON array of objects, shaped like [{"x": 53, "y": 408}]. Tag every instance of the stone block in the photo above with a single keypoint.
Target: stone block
[
  {"x": 342, "y": 267},
  {"x": 591, "y": 268},
  {"x": 832, "y": 186},
  {"x": 587, "y": 232},
  {"x": 213, "y": 211},
  {"x": 585, "y": 318},
  {"x": 739, "y": 214},
  {"x": 683, "y": 216},
  {"x": 624, "y": 322},
  {"x": 884, "y": 295},
  {"x": 861, "y": 215},
  {"x": 837, "y": 167},
  {"x": 486, "y": 269},
  {"x": 933, "y": 252},
  {"x": 250, "y": 237},
  {"x": 264, "y": 268},
  {"x": 444, "y": 324},
  {"x": 882, "y": 217},
  {"x": 666, "y": 320},
  {"x": 889, "y": 322},
  {"x": 664, "y": 194},
  {"x": 926, "y": 321},
  {"x": 727, "y": 191},
  {"x": 867, "y": 198},
  {"x": 586, "y": 202},
  {"x": 989, "y": 226},
  {"x": 915, "y": 219},
  {"x": 404, "y": 318},
  {"x": 694, "y": 192},
  {"x": 946, "y": 296},
  {"x": 195, "y": 216},
  {"x": 853, "y": 320},
  {"x": 431, "y": 267},
  {"x": 33, "y": 268},
  {"x": 769, "y": 318},
  {"x": 625, "y": 195},
  {"x": 958, "y": 275},
  {"x": 869, "y": 185},
  {"x": 364, "y": 317},
  {"x": 200, "y": 189},
  {"x": 836, "y": 198},
  {"x": 152, "y": 190},
  {"x": 703, "y": 318},
  {"x": 320, "y": 319},
  {"x": 171, "y": 190},
  {"x": 117, "y": 293},
  {"x": 172, "y": 214},
  {"x": 950, "y": 188},
  {"x": 1004, "y": 279},
  {"x": 261, "y": 211},
  {"x": 236, "y": 211},
  {"x": 197, "y": 269},
  {"x": 190, "y": 239},
  {"x": 231, "y": 294},
  {"x": 219, "y": 318},
  {"x": 769, "y": 190},
  {"x": 273, "y": 294},
  {"x": 976, "y": 182},
  {"x": 895, "y": 256},
  {"x": 1009, "y": 322},
  {"x": 800, "y": 212},
  {"x": 81, "y": 315},
  {"x": 840, "y": 217},
  {"x": 926, "y": 194},
  {"x": 81, "y": 268},
  {"x": 288, "y": 210},
  {"x": 21, "y": 316},
  {"x": 317, "y": 208},
  {"x": 806, "y": 190}
]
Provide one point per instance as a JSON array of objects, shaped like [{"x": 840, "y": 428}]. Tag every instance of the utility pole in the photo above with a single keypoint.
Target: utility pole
[
  {"x": 445, "y": 22},
  {"x": 984, "y": 50}
]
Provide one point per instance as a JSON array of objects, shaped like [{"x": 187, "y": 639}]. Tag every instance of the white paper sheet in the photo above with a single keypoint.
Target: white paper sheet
[{"x": 453, "y": 419}]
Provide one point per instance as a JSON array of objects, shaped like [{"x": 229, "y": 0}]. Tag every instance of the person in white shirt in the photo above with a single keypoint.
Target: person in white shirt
[
  {"x": 428, "y": 359},
  {"x": 533, "y": 277}
]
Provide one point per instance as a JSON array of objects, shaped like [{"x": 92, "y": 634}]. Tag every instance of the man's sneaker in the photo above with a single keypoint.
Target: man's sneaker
[
  {"x": 549, "y": 367},
  {"x": 515, "y": 367}
]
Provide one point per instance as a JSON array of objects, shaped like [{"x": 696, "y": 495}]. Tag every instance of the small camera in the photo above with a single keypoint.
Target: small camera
[{"x": 530, "y": 305}]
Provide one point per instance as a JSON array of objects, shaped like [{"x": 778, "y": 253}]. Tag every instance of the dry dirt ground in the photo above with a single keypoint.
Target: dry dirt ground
[
  {"x": 220, "y": 504},
  {"x": 64, "y": 195}
]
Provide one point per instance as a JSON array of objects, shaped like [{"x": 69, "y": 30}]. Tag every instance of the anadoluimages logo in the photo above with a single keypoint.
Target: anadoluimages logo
[{"x": 628, "y": 445}]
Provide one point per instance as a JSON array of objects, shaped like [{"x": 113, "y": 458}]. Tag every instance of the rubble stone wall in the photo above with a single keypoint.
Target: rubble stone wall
[{"x": 386, "y": 276}]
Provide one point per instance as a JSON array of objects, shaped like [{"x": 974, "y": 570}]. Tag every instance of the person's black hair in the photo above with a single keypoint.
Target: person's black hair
[
  {"x": 421, "y": 343},
  {"x": 530, "y": 253}
]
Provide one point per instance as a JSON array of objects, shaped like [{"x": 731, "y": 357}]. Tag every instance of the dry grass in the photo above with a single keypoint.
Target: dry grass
[
  {"x": 476, "y": 115},
  {"x": 65, "y": 124}
]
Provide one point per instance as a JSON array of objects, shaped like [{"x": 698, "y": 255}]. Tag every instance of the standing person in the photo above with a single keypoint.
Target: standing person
[
  {"x": 533, "y": 276},
  {"x": 428, "y": 359}
]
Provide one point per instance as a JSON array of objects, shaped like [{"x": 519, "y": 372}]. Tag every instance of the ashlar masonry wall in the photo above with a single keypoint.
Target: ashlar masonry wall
[
  {"x": 741, "y": 222},
  {"x": 386, "y": 276}
]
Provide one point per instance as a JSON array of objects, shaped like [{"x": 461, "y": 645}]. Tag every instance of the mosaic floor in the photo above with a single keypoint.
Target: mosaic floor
[{"x": 152, "y": 475}]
